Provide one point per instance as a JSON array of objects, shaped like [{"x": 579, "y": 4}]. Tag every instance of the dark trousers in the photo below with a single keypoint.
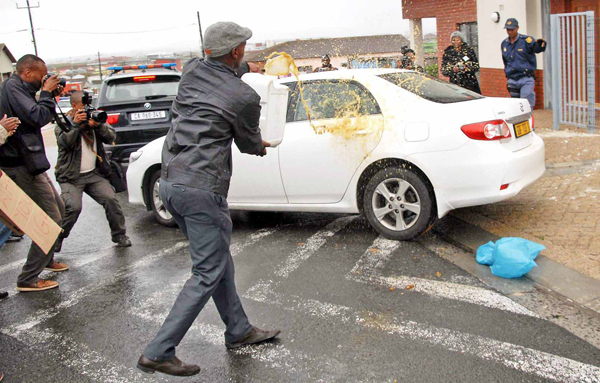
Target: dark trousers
[
  {"x": 204, "y": 218},
  {"x": 40, "y": 189},
  {"x": 102, "y": 192}
]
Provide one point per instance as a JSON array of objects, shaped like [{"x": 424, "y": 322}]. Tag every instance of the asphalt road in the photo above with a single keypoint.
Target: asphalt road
[{"x": 352, "y": 307}]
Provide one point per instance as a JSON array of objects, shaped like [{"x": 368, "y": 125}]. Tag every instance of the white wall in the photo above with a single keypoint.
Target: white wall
[
  {"x": 337, "y": 61},
  {"x": 491, "y": 35},
  {"x": 5, "y": 63}
]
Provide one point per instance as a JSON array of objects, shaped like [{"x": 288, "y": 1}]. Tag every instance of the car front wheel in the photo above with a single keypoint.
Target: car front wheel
[
  {"x": 398, "y": 203},
  {"x": 158, "y": 208}
]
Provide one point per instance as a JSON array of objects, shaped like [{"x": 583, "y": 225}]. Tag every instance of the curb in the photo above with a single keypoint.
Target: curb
[{"x": 565, "y": 281}]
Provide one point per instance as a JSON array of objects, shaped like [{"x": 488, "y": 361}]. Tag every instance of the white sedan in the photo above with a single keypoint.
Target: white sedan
[{"x": 398, "y": 147}]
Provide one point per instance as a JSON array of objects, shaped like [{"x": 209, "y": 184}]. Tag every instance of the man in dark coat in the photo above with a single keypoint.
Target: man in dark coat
[
  {"x": 460, "y": 63},
  {"x": 81, "y": 167},
  {"x": 213, "y": 108},
  {"x": 18, "y": 100}
]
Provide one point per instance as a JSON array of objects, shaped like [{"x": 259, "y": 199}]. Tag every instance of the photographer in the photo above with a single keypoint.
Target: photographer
[
  {"x": 325, "y": 65},
  {"x": 81, "y": 167},
  {"x": 408, "y": 60},
  {"x": 23, "y": 156}
]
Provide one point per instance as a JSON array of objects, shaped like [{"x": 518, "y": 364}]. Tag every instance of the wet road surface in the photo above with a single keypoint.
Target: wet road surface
[{"x": 352, "y": 307}]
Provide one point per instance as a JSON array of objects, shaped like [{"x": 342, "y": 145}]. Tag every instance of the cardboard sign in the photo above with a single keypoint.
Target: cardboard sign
[{"x": 19, "y": 212}]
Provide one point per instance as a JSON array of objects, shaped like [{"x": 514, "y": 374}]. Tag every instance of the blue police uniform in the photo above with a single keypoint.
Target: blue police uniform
[{"x": 520, "y": 65}]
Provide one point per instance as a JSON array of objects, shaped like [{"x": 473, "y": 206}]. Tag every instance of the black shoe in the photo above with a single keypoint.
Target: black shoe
[
  {"x": 123, "y": 242},
  {"x": 3, "y": 294},
  {"x": 172, "y": 366},
  {"x": 255, "y": 335},
  {"x": 58, "y": 244}
]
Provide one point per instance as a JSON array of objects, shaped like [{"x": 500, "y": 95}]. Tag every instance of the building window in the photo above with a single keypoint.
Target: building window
[{"x": 470, "y": 31}]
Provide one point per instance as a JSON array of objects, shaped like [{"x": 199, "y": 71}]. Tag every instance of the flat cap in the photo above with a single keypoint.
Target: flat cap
[
  {"x": 220, "y": 38},
  {"x": 511, "y": 23}
]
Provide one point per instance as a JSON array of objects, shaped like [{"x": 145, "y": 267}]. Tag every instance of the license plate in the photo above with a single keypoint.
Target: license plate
[
  {"x": 148, "y": 115},
  {"x": 522, "y": 128}
]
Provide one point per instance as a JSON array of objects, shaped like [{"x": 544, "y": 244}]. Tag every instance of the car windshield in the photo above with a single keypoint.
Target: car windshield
[
  {"x": 429, "y": 88},
  {"x": 128, "y": 89}
]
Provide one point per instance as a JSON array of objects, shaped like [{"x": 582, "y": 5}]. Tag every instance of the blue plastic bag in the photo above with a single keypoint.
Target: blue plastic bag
[
  {"x": 509, "y": 257},
  {"x": 485, "y": 253}
]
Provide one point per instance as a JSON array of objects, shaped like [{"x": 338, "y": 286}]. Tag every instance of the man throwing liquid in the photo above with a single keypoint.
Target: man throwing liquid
[{"x": 213, "y": 108}]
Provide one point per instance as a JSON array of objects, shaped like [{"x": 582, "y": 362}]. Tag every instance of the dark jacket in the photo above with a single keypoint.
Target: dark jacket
[
  {"x": 464, "y": 57},
  {"x": 68, "y": 164},
  {"x": 519, "y": 57},
  {"x": 212, "y": 108},
  {"x": 18, "y": 100}
]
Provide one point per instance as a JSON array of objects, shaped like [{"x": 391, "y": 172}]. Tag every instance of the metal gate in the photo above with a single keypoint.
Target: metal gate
[{"x": 574, "y": 72}]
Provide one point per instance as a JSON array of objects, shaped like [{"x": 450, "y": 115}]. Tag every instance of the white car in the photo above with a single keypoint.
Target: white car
[{"x": 396, "y": 146}]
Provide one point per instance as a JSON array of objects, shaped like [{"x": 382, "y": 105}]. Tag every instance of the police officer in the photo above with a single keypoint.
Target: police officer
[
  {"x": 518, "y": 54},
  {"x": 213, "y": 108}
]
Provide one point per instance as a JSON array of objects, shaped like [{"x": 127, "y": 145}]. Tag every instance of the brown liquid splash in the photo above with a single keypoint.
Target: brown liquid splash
[{"x": 281, "y": 64}]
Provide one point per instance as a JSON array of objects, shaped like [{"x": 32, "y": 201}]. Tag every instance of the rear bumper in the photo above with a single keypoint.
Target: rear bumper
[
  {"x": 131, "y": 138},
  {"x": 135, "y": 182},
  {"x": 472, "y": 175},
  {"x": 121, "y": 152}
]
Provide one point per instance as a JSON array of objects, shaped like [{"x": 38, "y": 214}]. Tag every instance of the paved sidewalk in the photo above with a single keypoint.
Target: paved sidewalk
[{"x": 562, "y": 209}]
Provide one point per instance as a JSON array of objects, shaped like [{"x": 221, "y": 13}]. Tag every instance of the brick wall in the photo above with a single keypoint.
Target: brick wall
[
  {"x": 493, "y": 84},
  {"x": 559, "y": 6},
  {"x": 449, "y": 13}
]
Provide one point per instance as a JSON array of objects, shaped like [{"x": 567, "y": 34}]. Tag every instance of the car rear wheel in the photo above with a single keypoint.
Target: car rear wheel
[
  {"x": 158, "y": 208},
  {"x": 398, "y": 203}
]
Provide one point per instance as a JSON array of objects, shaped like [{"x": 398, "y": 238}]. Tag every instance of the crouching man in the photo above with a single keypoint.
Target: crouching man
[{"x": 81, "y": 167}]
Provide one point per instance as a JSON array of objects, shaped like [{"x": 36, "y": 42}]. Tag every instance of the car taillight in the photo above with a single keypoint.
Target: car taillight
[
  {"x": 144, "y": 78},
  {"x": 487, "y": 130},
  {"x": 113, "y": 118}
]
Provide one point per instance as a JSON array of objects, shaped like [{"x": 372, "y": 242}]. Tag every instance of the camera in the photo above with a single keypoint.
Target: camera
[
  {"x": 91, "y": 112},
  {"x": 62, "y": 81}
]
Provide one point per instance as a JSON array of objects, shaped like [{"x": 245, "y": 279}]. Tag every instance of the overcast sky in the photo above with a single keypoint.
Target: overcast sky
[{"x": 268, "y": 19}]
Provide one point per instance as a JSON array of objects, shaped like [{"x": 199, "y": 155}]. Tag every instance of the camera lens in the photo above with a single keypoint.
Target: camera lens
[{"x": 100, "y": 116}]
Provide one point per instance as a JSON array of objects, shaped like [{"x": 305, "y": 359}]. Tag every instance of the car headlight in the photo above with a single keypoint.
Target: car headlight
[{"x": 135, "y": 156}]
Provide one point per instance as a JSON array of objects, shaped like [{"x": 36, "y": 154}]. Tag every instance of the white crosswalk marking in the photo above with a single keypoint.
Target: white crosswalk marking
[
  {"x": 237, "y": 248},
  {"x": 367, "y": 270},
  {"x": 313, "y": 244},
  {"x": 520, "y": 358},
  {"x": 376, "y": 256},
  {"x": 81, "y": 358},
  {"x": 75, "y": 297},
  {"x": 272, "y": 354},
  {"x": 287, "y": 361},
  {"x": 90, "y": 256}
]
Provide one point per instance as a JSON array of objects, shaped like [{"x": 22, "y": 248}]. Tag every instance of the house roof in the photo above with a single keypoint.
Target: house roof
[
  {"x": 4, "y": 48},
  {"x": 344, "y": 46}
]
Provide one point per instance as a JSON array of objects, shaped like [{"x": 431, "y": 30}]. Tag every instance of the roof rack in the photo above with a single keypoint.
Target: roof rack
[{"x": 117, "y": 69}]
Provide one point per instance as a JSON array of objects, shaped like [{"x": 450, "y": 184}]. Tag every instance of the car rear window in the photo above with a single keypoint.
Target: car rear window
[
  {"x": 429, "y": 88},
  {"x": 127, "y": 89}
]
